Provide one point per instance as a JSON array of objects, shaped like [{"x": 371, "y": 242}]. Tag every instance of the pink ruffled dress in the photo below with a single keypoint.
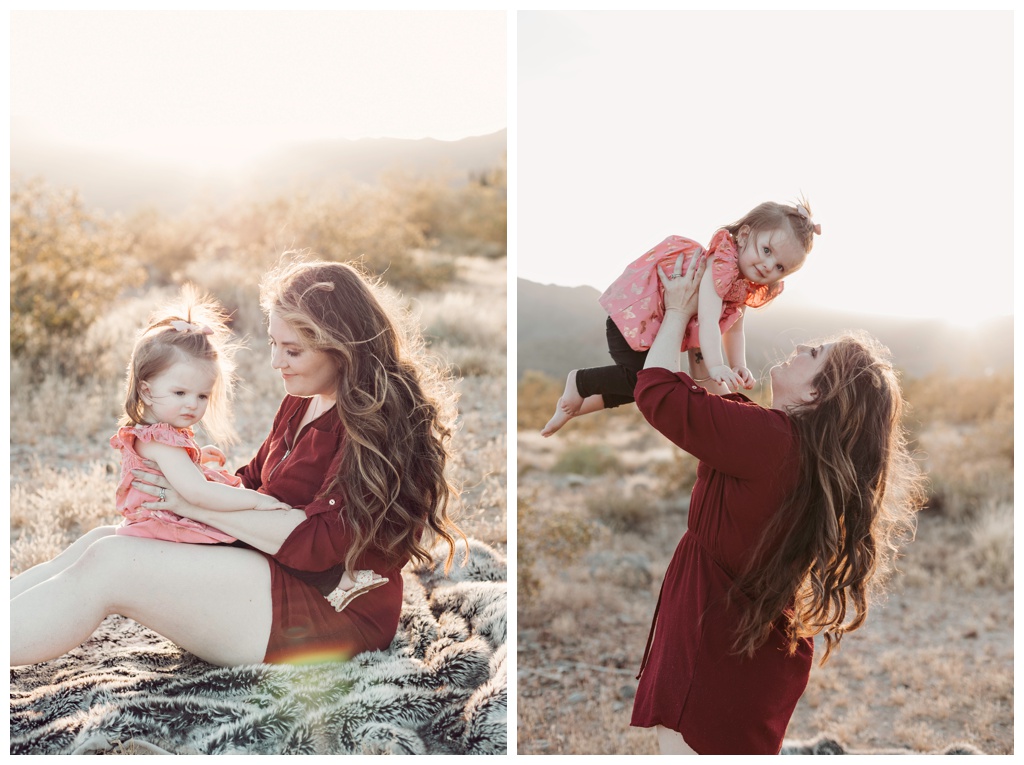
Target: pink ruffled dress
[
  {"x": 636, "y": 303},
  {"x": 140, "y": 521}
]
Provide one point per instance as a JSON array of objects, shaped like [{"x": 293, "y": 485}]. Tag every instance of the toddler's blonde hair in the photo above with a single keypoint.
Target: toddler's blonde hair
[
  {"x": 160, "y": 345},
  {"x": 773, "y": 215}
]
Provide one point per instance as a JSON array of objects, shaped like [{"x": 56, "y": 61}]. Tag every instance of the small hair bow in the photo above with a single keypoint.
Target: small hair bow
[
  {"x": 805, "y": 213},
  {"x": 184, "y": 326}
]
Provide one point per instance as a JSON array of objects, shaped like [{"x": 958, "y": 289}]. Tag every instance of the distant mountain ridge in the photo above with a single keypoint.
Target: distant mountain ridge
[
  {"x": 563, "y": 328},
  {"x": 122, "y": 183}
]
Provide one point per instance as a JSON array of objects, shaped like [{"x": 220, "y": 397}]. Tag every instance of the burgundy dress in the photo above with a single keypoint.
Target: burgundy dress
[
  {"x": 690, "y": 679},
  {"x": 295, "y": 468}
]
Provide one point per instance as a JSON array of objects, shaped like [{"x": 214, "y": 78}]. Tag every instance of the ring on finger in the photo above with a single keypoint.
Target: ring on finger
[{"x": 163, "y": 495}]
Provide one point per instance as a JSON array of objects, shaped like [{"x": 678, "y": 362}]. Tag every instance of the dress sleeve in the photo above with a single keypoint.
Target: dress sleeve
[
  {"x": 323, "y": 540},
  {"x": 730, "y": 434},
  {"x": 724, "y": 261},
  {"x": 160, "y": 433}
]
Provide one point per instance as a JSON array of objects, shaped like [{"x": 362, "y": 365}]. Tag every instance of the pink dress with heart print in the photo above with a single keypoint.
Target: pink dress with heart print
[
  {"x": 140, "y": 521},
  {"x": 635, "y": 301}
]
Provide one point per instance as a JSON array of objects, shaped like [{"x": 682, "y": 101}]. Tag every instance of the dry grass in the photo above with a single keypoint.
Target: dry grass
[{"x": 933, "y": 665}]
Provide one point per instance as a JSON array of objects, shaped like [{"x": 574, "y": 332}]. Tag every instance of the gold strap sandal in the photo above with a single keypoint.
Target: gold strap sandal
[{"x": 364, "y": 582}]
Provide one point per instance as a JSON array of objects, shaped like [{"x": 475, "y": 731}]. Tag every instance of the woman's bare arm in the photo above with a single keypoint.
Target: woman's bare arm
[{"x": 680, "y": 304}]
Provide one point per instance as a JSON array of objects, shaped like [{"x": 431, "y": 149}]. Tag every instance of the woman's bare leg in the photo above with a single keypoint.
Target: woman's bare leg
[
  {"x": 44, "y": 571},
  {"x": 590, "y": 404},
  {"x": 211, "y": 600},
  {"x": 671, "y": 742}
]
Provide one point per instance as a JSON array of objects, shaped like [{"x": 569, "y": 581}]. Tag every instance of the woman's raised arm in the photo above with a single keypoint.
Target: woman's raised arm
[{"x": 680, "y": 305}]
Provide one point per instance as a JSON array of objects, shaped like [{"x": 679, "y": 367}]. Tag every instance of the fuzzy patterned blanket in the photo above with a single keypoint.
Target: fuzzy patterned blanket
[
  {"x": 827, "y": 745},
  {"x": 439, "y": 689}
]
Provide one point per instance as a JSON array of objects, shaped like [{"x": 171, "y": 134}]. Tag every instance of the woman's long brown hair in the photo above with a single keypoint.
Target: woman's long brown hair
[
  {"x": 396, "y": 405},
  {"x": 835, "y": 540}
]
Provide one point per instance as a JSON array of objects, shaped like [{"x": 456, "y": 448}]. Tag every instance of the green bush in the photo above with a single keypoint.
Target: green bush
[
  {"x": 622, "y": 512},
  {"x": 588, "y": 459},
  {"x": 677, "y": 475}
]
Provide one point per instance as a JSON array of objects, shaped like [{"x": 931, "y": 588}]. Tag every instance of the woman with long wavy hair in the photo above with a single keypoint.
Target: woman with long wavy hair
[
  {"x": 795, "y": 520},
  {"x": 358, "y": 452}
]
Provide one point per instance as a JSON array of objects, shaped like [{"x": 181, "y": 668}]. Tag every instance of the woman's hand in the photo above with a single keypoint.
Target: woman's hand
[
  {"x": 163, "y": 494},
  {"x": 681, "y": 292},
  {"x": 681, "y": 289},
  {"x": 166, "y": 498}
]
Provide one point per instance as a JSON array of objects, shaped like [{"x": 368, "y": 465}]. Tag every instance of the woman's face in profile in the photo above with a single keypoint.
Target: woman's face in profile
[
  {"x": 792, "y": 380},
  {"x": 305, "y": 372}
]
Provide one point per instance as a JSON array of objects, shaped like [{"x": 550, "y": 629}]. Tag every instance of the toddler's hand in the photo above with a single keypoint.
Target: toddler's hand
[
  {"x": 746, "y": 377},
  {"x": 722, "y": 374},
  {"x": 212, "y": 454}
]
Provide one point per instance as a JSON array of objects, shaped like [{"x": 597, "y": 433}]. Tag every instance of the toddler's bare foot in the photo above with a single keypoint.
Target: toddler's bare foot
[
  {"x": 558, "y": 419},
  {"x": 571, "y": 400}
]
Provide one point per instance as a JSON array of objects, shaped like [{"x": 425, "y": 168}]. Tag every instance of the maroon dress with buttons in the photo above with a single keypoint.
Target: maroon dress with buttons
[
  {"x": 295, "y": 468},
  {"x": 690, "y": 678}
]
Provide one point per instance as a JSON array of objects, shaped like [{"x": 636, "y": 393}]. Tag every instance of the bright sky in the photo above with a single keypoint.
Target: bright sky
[
  {"x": 219, "y": 87},
  {"x": 896, "y": 125}
]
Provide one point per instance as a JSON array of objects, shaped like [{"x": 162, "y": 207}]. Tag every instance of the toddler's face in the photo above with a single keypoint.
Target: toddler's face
[
  {"x": 180, "y": 394},
  {"x": 767, "y": 256}
]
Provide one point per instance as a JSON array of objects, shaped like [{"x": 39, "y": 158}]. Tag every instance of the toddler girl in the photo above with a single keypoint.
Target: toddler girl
[
  {"x": 747, "y": 261},
  {"x": 182, "y": 364}
]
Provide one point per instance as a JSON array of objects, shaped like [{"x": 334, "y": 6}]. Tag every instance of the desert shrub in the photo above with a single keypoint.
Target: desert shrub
[
  {"x": 236, "y": 286},
  {"x": 621, "y": 512},
  {"x": 472, "y": 361},
  {"x": 543, "y": 536},
  {"x": 968, "y": 466},
  {"x": 44, "y": 402},
  {"x": 164, "y": 246},
  {"x": 958, "y": 400},
  {"x": 963, "y": 429},
  {"x": 588, "y": 459},
  {"x": 462, "y": 318},
  {"x": 991, "y": 547},
  {"x": 676, "y": 475},
  {"x": 67, "y": 267},
  {"x": 537, "y": 394},
  {"x": 477, "y": 221}
]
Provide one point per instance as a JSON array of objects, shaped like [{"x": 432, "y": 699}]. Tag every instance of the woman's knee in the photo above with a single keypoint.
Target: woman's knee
[{"x": 106, "y": 556}]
